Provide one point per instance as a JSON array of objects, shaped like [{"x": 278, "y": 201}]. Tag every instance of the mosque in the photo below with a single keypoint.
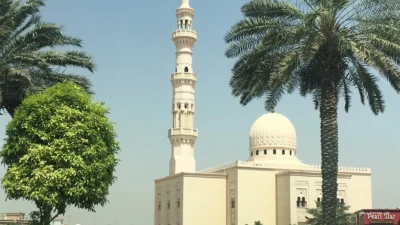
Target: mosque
[{"x": 272, "y": 186}]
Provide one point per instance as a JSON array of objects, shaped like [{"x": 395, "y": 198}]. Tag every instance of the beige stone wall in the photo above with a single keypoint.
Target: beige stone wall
[{"x": 256, "y": 196}]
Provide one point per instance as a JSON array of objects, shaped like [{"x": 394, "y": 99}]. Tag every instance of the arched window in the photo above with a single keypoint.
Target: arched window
[
  {"x": 186, "y": 106},
  {"x": 168, "y": 204},
  {"x": 186, "y": 24},
  {"x": 318, "y": 202},
  {"x": 233, "y": 203},
  {"x": 251, "y": 153},
  {"x": 342, "y": 201},
  {"x": 186, "y": 69},
  {"x": 265, "y": 151},
  {"x": 179, "y": 106},
  {"x": 274, "y": 151},
  {"x": 283, "y": 151},
  {"x": 303, "y": 202},
  {"x": 178, "y": 202},
  {"x": 257, "y": 152},
  {"x": 290, "y": 152},
  {"x": 298, "y": 202}
]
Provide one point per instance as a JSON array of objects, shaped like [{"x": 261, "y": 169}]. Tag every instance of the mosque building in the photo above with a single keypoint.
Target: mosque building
[{"x": 272, "y": 186}]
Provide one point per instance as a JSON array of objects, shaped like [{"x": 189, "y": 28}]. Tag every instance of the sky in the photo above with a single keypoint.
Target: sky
[{"x": 130, "y": 41}]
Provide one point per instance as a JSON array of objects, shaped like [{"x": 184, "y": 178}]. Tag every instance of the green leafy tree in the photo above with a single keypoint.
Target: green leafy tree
[
  {"x": 60, "y": 151},
  {"x": 29, "y": 62},
  {"x": 342, "y": 215},
  {"x": 323, "y": 48}
]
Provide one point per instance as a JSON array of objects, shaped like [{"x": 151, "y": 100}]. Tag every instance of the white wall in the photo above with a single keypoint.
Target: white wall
[
  {"x": 204, "y": 199},
  {"x": 256, "y": 196},
  {"x": 355, "y": 189}
]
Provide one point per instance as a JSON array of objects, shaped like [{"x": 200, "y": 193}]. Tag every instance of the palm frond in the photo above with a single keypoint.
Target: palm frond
[{"x": 270, "y": 9}]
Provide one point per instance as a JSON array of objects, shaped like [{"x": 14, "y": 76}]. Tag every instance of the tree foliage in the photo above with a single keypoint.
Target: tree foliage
[
  {"x": 60, "y": 151},
  {"x": 29, "y": 62},
  {"x": 342, "y": 215},
  {"x": 323, "y": 48}
]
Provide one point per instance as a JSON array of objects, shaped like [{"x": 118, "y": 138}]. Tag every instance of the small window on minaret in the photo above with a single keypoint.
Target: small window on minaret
[
  {"x": 178, "y": 203},
  {"x": 186, "y": 69},
  {"x": 233, "y": 203},
  {"x": 186, "y": 106},
  {"x": 274, "y": 151},
  {"x": 159, "y": 206},
  {"x": 298, "y": 202},
  {"x": 251, "y": 153},
  {"x": 257, "y": 152},
  {"x": 265, "y": 151},
  {"x": 290, "y": 152},
  {"x": 186, "y": 24},
  {"x": 283, "y": 151},
  {"x": 168, "y": 204},
  {"x": 179, "y": 106}
]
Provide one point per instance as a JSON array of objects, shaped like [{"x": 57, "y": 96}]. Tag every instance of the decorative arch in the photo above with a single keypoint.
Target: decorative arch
[
  {"x": 301, "y": 201},
  {"x": 186, "y": 69}
]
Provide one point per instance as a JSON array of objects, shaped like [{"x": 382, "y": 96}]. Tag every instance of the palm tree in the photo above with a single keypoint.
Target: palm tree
[
  {"x": 28, "y": 61},
  {"x": 322, "y": 48},
  {"x": 343, "y": 217}
]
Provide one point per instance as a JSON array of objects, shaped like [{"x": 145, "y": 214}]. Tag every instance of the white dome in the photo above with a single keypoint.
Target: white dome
[{"x": 272, "y": 130}]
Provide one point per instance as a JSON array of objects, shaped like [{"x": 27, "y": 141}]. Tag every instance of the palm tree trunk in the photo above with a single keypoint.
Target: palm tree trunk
[{"x": 329, "y": 153}]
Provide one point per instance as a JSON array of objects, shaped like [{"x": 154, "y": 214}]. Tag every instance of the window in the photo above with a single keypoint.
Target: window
[
  {"x": 274, "y": 151},
  {"x": 257, "y": 152},
  {"x": 179, "y": 106},
  {"x": 303, "y": 202},
  {"x": 186, "y": 106},
  {"x": 168, "y": 204},
  {"x": 342, "y": 201},
  {"x": 251, "y": 153},
  {"x": 233, "y": 203},
  {"x": 298, "y": 202},
  {"x": 318, "y": 202},
  {"x": 283, "y": 151},
  {"x": 159, "y": 206},
  {"x": 265, "y": 151},
  {"x": 178, "y": 203},
  {"x": 186, "y": 69},
  {"x": 290, "y": 152}
]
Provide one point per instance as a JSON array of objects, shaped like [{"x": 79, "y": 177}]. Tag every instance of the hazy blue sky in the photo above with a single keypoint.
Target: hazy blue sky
[{"x": 131, "y": 43}]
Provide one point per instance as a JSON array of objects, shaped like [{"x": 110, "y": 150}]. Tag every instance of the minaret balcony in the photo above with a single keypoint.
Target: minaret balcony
[
  {"x": 182, "y": 132},
  {"x": 184, "y": 34},
  {"x": 183, "y": 76}
]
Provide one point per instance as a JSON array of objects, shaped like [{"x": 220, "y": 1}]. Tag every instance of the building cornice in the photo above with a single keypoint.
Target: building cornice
[
  {"x": 199, "y": 175},
  {"x": 281, "y": 166},
  {"x": 310, "y": 174}
]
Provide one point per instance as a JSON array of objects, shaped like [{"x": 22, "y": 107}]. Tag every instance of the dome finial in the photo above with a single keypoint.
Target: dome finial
[{"x": 185, "y": 4}]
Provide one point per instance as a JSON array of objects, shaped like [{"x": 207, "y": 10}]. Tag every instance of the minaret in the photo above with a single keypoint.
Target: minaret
[{"x": 182, "y": 134}]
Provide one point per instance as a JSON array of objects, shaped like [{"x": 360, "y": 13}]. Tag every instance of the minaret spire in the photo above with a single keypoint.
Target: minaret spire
[
  {"x": 182, "y": 135},
  {"x": 185, "y": 4}
]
